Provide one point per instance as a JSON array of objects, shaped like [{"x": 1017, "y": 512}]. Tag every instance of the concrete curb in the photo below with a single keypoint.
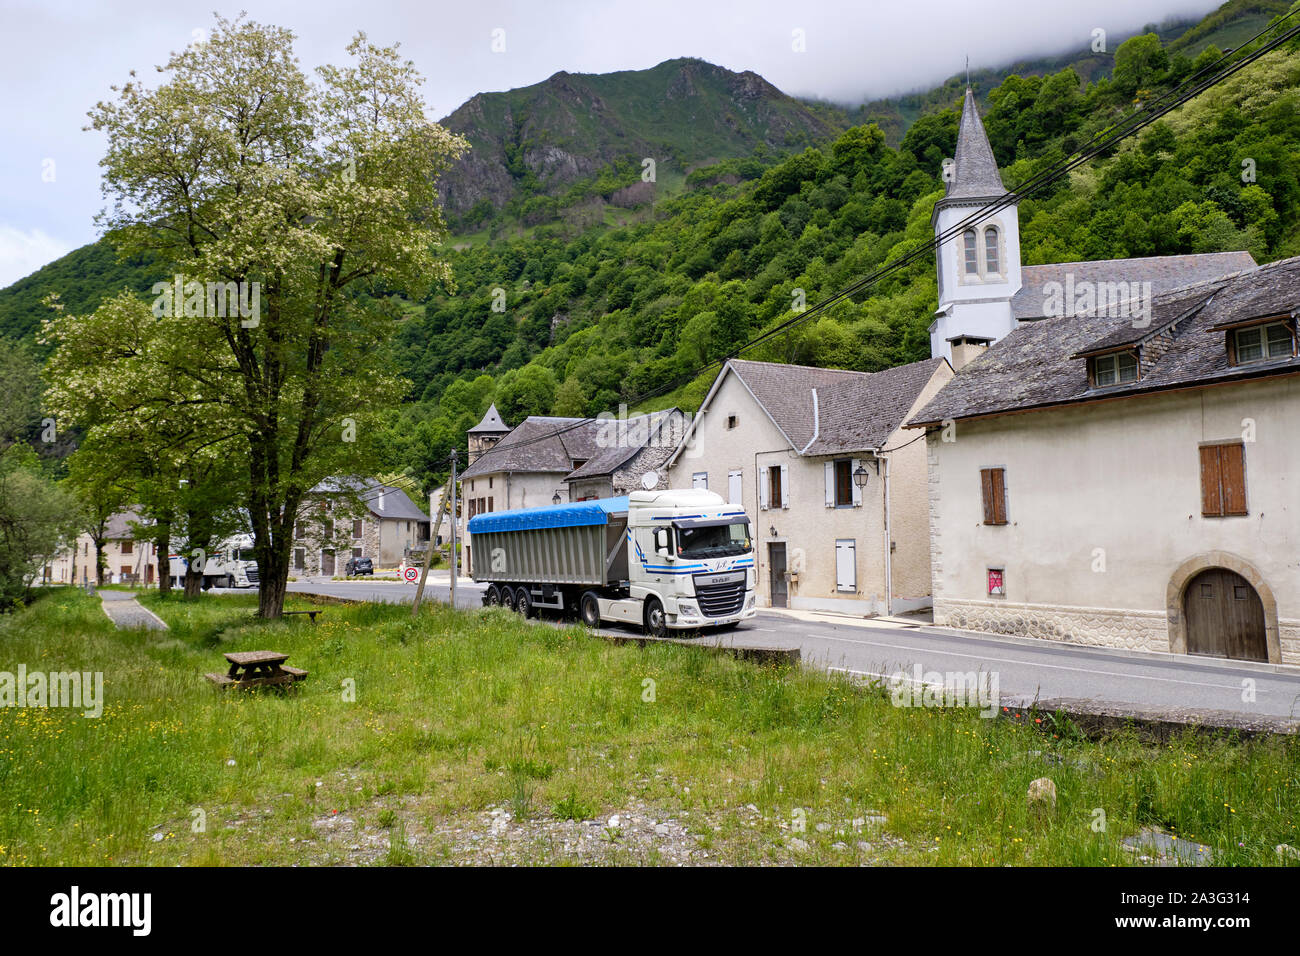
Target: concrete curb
[
  {"x": 780, "y": 656},
  {"x": 874, "y": 623}
]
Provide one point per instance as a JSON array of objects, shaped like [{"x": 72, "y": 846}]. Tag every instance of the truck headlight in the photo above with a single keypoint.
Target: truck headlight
[
  {"x": 687, "y": 608},
  {"x": 749, "y": 602}
]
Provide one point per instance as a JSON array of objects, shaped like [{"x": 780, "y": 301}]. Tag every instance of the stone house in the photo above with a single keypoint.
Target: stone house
[
  {"x": 356, "y": 518},
  {"x": 129, "y": 557},
  {"x": 836, "y": 491}
]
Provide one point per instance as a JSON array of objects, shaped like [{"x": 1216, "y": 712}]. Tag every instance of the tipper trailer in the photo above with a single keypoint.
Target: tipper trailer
[{"x": 666, "y": 560}]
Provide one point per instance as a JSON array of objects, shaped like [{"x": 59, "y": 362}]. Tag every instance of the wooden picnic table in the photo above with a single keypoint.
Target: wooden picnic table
[{"x": 257, "y": 669}]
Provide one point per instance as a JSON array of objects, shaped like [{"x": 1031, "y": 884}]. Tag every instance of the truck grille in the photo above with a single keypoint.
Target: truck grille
[
  {"x": 251, "y": 571},
  {"x": 722, "y": 595}
]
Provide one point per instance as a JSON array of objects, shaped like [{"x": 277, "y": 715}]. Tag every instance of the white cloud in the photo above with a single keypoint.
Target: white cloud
[{"x": 22, "y": 253}]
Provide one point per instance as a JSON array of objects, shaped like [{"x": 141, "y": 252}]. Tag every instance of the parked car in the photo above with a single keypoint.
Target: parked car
[{"x": 356, "y": 566}]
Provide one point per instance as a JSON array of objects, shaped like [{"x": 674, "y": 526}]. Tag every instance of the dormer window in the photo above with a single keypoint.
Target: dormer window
[
  {"x": 1117, "y": 368},
  {"x": 1259, "y": 343}
]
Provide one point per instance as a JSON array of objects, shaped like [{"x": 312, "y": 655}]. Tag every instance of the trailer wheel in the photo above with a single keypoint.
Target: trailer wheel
[
  {"x": 656, "y": 622},
  {"x": 590, "y": 609},
  {"x": 523, "y": 601},
  {"x": 492, "y": 596}
]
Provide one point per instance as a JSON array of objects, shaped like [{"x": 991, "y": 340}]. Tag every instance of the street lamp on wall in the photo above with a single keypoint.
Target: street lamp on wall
[
  {"x": 860, "y": 477},
  {"x": 555, "y": 499}
]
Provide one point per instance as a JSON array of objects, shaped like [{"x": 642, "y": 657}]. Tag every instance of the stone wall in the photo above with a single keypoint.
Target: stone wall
[{"x": 1097, "y": 627}]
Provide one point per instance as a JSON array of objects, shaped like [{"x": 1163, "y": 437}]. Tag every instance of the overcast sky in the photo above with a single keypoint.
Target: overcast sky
[{"x": 58, "y": 58}]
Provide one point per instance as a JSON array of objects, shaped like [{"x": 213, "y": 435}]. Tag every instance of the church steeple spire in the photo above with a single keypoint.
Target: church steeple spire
[
  {"x": 975, "y": 175},
  {"x": 978, "y": 259}
]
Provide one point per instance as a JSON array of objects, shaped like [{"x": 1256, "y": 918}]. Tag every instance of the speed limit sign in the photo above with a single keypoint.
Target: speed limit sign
[{"x": 411, "y": 575}]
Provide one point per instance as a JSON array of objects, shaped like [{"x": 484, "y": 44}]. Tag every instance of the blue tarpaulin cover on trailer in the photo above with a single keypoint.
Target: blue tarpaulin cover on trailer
[{"x": 575, "y": 514}]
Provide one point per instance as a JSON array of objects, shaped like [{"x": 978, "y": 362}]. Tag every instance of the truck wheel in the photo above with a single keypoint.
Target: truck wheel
[
  {"x": 590, "y": 609},
  {"x": 656, "y": 622},
  {"x": 492, "y": 596},
  {"x": 523, "y": 601}
]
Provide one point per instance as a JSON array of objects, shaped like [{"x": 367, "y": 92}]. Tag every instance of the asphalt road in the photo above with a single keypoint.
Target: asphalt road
[{"x": 1026, "y": 669}]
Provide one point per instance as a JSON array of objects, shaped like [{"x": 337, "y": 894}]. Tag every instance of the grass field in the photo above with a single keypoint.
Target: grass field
[{"x": 475, "y": 737}]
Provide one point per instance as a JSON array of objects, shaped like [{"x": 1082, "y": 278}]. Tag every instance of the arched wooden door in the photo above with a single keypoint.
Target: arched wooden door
[{"x": 1225, "y": 617}]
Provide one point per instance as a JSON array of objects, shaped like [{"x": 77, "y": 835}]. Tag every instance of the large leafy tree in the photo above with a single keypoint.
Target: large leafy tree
[
  {"x": 240, "y": 169},
  {"x": 38, "y": 519}
]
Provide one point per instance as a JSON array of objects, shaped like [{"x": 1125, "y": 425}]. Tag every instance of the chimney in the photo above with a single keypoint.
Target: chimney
[{"x": 965, "y": 349}]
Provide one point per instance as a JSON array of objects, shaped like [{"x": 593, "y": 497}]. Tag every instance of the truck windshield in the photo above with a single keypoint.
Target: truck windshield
[{"x": 716, "y": 541}]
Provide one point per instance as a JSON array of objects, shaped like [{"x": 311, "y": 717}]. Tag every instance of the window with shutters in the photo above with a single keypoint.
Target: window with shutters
[
  {"x": 299, "y": 558},
  {"x": 844, "y": 483},
  {"x": 356, "y": 527},
  {"x": 1223, "y": 480},
  {"x": 775, "y": 491},
  {"x": 126, "y": 547},
  {"x": 700, "y": 479},
  {"x": 993, "y": 485}
]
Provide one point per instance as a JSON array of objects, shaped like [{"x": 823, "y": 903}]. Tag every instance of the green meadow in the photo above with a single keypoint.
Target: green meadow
[{"x": 472, "y": 737}]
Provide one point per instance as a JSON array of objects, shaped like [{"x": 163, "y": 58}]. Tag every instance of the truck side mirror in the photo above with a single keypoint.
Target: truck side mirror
[{"x": 661, "y": 542}]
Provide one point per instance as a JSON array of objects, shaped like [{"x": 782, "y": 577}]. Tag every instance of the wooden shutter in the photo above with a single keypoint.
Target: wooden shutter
[
  {"x": 1223, "y": 480},
  {"x": 1211, "y": 482},
  {"x": 846, "y": 565},
  {"x": 762, "y": 489},
  {"x": 1000, "y": 495},
  {"x": 829, "y": 471},
  {"x": 854, "y": 490},
  {"x": 1232, "y": 466},
  {"x": 733, "y": 487},
  {"x": 994, "y": 491},
  {"x": 785, "y": 486}
]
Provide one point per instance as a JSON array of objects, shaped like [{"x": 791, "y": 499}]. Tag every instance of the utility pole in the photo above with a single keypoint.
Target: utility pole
[
  {"x": 455, "y": 558},
  {"x": 449, "y": 496}
]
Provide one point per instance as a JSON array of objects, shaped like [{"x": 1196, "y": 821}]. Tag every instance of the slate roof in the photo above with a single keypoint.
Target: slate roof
[
  {"x": 1165, "y": 273},
  {"x": 606, "y": 461},
  {"x": 1036, "y": 365},
  {"x": 975, "y": 173},
  {"x": 118, "y": 527},
  {"x": 492, "y": 422},
  {"x": 855, "y": 410},
  {"x": 396, "y": 503}
]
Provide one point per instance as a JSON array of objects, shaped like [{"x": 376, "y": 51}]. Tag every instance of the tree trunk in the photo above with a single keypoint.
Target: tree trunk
[
  {"x": 99, "y": 563},
  {"x": 163, "y": 548},
  {"x": 272, "y": 589},
  {"x": 193, "y": 582}
]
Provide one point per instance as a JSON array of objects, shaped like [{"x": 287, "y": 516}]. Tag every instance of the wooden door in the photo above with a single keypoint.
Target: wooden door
[
  {"x": 1225, "y": 617},
  {"x": 776, "y": 571},
  {"x": 327, "y": 562}
]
